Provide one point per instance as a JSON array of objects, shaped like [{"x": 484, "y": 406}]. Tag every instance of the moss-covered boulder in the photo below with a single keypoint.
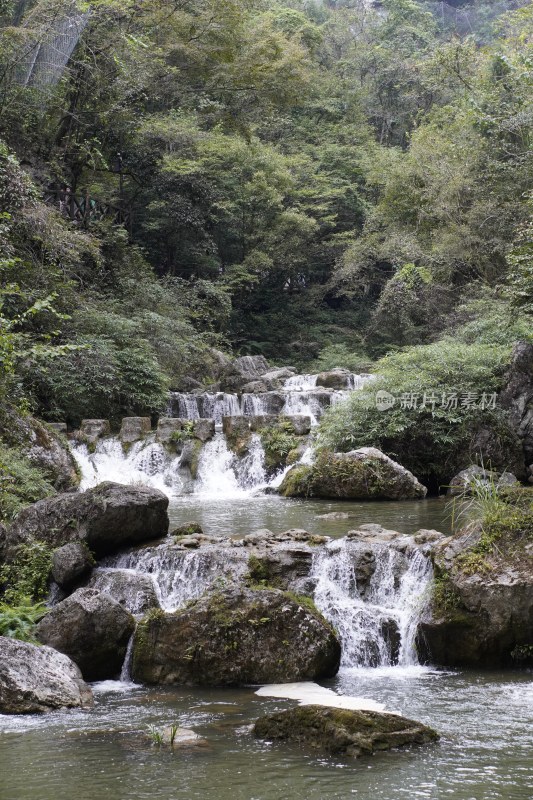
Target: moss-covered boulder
[
  {"x": 341, "y": 732},
  {"x": 364, "y": 474},
  {"x": 482, "y": 608},
  {"x": 236, "y": 636}
]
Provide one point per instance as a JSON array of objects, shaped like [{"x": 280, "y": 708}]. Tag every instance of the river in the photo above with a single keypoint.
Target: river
[{"x": 485, "y": 719}]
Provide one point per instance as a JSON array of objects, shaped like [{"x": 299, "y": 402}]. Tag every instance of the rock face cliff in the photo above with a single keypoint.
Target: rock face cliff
[{"x": 482, "y": 610}]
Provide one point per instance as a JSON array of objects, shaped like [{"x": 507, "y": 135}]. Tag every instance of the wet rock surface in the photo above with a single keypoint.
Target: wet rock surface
[
  {"x": 92, "y": 629},
  {"x": 236, "y": 636},
  {"x": 37, "y": 679},
  {"x": 134, "y": 591},
  {"x": 335, "y": 731}
]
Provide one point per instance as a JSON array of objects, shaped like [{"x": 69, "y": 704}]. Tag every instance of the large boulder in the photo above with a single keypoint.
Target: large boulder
[
  {"x": 106, "y": 518},
  {"x": 92, "y": 629},
  {"x": 48, "y": 450},
  {"x": 338, "y": 378},
  {"x": 36, "y": 679},
  {"x": 335, "y": 731},
  {"x": 71, "y": 563},
  {"x": 462, "y": 483},
  {"x": 236, "y": 636},
  {"x": 363, "y": 474}
]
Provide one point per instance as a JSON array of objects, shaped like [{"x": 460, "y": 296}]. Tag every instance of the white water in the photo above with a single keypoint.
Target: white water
[
  {"x": 145, "y": 463},
  {"x": 183, "y": 575},
  {"x": 371, "y": 616}
]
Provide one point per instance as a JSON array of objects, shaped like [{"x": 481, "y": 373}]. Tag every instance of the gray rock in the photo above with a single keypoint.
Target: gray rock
[
  {"x": 517, "y": 396},
  {"x": 167, "y": 427},
  {"x": 257, "y": 423},
  {"x": 93, "y": 429},
  {"x": 45, "y": 447},
  {"x": 204, "y": 429},
  {"x": 92, "y": 629},
  {"x": 242, "y": 371},
  {"x": 134, "y": 429},
  {"x": 70, "y": 563},
  {"x": 238, "y": 434},
  {"x": 335, "y": 731},
  {"x": 462, "y": 483},
  {"x": 254, "y": 387},
  {"x": 236, "y": 636},
  {"x": 106, "y": 518},
  {"x": 334, "y": 379},
  {"x": 37, "y": 679},
  {"x": 134, "y": 591},
  {"x": 275, "y": 378},
  {"x": 59, "y": 427}
]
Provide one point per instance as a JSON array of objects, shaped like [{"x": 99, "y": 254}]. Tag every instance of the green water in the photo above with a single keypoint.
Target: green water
[
  {"x": 486, "y": 750},
  {"x": 242, "y": 515}
]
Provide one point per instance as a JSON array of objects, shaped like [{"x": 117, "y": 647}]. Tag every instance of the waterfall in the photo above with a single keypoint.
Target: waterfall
[
  {"x": 373, "y": 594},
  {"x": 300, "y": 383},
  {"x": 145, "y": 463},
  {"x": 183, "y": 575}
]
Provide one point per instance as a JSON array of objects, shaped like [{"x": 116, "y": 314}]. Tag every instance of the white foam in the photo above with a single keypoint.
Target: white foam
[{"x": 309, "y": 693}]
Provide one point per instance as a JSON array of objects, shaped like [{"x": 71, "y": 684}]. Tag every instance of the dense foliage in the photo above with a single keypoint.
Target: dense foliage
[{"x": 321, "y": 183}]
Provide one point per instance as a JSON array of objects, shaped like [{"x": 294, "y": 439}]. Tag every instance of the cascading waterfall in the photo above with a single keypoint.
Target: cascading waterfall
[
  {"x": 182, "y": 575},
  {"x": 220, "y": 472},
  {"x": 373, "y": 594},
  {"x": 145, "y": 463}
]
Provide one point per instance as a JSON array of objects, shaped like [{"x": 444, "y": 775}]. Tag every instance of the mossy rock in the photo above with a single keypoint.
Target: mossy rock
[
  {"x": 236, "y": 636},
  {"x": 336, "y": 731},
  {"x": 364, "y": 474}
]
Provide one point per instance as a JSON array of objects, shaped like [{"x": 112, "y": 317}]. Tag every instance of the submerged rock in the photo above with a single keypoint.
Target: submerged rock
[
  {"x": 36, "y": 679},
  {"x": 343, "y": 732},
  {"x": 106, "y": 518},
  {"x": 92, "y": 629},
  {"x": 363, "y": 474},
  {"x": 236, "y": 636}
]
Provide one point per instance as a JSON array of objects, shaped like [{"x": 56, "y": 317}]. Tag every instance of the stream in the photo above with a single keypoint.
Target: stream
[{"x": 485, "y": 719}]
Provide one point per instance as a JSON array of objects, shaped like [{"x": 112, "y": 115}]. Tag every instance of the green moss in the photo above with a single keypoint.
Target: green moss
[
  {"x": 21, "y": 482},
  {"x": 278, "y": 442},
  {"x": 297, "y": 482},
  {"x": 445, "y": 600},
  {"x": 28, "y": 575}
]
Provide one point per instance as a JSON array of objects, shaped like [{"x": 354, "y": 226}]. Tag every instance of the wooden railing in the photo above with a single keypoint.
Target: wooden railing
[{"x": 84, "y": 208}]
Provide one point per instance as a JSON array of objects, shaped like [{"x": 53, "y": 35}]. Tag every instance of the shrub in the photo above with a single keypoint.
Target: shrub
[
  {"x": 431, "y": 440},
  {"x": 21, "y": 482}
]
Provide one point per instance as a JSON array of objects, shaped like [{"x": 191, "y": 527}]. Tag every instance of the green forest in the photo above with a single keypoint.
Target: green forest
[{"x": 326, "y": 184}]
